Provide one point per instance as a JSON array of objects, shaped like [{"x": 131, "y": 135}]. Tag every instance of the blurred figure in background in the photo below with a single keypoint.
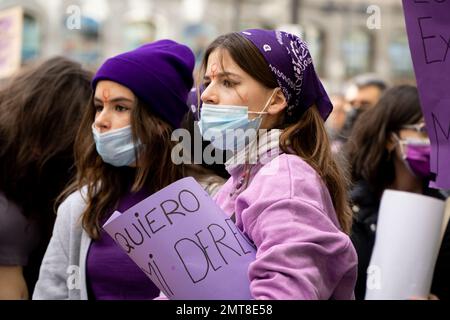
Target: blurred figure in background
[
  {"x": 389, "y": 149},
  {"x": 337, "y": 117},
  {"x": 336, "y": 120},
  {"x": 40, "y": 111},
  {"x": 362, "y": 95}
]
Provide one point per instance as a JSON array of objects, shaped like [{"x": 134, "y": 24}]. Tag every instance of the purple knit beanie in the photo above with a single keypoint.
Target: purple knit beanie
[{"x": 158, "y": 73}]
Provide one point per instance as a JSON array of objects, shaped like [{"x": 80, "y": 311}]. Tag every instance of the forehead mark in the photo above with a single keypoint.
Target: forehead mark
[
  {"x": 213, "y": 70},
  {"x": 106, "y": 95}
]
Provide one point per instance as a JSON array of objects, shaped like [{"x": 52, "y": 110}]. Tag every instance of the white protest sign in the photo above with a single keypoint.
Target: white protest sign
[{"x": 406, "y": 246}]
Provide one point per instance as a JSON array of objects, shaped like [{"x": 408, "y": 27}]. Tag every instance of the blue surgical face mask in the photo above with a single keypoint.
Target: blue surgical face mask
[
  {"x": 228, "y": 126},
  {"x": 116, "y": 147}
]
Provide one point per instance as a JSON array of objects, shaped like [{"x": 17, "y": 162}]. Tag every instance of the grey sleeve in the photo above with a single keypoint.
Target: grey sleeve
[
  {"x": 52, "y": 282},
  {"x": 18, "y": 235}
]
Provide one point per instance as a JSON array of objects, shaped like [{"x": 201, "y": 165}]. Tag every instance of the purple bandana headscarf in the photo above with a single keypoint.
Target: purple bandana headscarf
[{"x": 289, "y": 60}]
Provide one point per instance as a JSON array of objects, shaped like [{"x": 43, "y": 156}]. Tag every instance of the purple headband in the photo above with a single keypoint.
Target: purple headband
[{"x": 289, "y": 60}]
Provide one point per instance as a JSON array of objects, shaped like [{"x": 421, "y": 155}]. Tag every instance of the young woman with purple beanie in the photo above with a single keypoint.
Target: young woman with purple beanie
[
  {"x": 123, "y": 155},
  {"x": 291, "y": 201}
]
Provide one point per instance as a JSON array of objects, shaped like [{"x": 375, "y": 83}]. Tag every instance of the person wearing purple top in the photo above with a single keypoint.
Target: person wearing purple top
[
  {"x": 286, "y": 193},
  {"x": 123, "y": 155}
]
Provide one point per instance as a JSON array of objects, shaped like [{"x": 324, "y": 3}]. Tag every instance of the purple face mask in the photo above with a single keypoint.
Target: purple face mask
[{"x": 416, "y": 154}]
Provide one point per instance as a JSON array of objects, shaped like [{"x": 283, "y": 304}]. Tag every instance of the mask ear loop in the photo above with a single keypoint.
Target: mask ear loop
[
  {"x": 248, "y": 168},
  {"x": 265, "y": 107},
  {"x": 401, "y": 144},
  {"x": 260, "y": 113}
]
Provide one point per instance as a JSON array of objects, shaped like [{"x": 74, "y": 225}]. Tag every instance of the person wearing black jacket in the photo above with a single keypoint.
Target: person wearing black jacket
[{"x": 389, "y": 149}]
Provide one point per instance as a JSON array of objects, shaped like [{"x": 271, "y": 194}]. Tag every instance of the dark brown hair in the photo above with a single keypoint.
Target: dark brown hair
[
  {"x": 104, "y": 183},
  {"x": 315, "y": 148},
  {"x": 40, "y": 111},
  {"x": 366, "y": 148}
]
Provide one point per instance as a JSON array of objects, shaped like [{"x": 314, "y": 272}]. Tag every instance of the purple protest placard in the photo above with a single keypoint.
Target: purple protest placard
[
  {"x": 428, "y": 27},
  {"x": 185, "y": 244}
]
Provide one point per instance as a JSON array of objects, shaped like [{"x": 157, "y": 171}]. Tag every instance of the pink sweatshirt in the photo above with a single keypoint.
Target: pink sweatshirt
[{"x": 288, "y": 214}]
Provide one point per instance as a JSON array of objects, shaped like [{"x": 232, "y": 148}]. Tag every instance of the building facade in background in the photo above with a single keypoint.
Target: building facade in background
[{"x": 343, "y": 35}]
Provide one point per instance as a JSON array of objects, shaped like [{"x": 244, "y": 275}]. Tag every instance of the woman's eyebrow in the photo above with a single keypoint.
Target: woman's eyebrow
[
  {"x": 117, "y": 99},
  {"x": 224, "y": 74}
]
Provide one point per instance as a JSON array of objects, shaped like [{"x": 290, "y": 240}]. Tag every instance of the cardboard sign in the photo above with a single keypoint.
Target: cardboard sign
[
  {"x": 185, "y": 244},
  {"x": 428, "y": 26}
]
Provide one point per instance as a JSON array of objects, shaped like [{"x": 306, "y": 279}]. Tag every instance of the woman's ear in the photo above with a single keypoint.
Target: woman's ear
[
  {"x": 391, "y": 142},
  {"x": 278, "y": 103}
]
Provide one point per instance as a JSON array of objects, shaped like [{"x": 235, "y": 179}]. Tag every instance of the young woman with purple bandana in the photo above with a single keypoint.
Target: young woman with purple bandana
[
  {"x": 123, "y": 155},
  {"x": 291, "y": 202}
]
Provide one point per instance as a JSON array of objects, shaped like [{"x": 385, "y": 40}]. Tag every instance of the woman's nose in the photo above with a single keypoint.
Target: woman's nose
[
  {"x": 209, "y": 95},
  {"x": 102, "y": 121}
]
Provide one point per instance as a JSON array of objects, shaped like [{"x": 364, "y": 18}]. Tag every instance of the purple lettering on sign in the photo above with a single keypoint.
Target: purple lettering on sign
[{"x": 428, "y": 28}]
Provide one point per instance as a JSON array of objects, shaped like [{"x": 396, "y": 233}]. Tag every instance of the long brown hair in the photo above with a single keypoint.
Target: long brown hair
[
  {"x": 40, "y": 111},
  {"x": 307, "y": 137},
  {"x": 366, "y": 148},
  {"x": 104, "y": 183}
]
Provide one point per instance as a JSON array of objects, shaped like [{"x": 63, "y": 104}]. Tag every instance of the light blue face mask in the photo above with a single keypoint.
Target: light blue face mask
[
  {"x": 228, "y": 126},
  {"x": 116, "y": 147}
]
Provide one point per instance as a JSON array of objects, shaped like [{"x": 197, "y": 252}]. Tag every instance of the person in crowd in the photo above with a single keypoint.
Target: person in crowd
[
  {"x": 337, "y": 117},
  {"x": 363, "y": 95},
  {"x": 336, "y": 120},
  {"x": 40, "y": 112},
  {"x": 389, "y": 149},
  {"x": 285, "y": 193},
  {"x": 123, "y": 155}
]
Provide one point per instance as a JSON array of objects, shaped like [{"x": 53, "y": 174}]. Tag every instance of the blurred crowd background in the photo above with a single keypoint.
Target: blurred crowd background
[{"x": 337, "y": 31}]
